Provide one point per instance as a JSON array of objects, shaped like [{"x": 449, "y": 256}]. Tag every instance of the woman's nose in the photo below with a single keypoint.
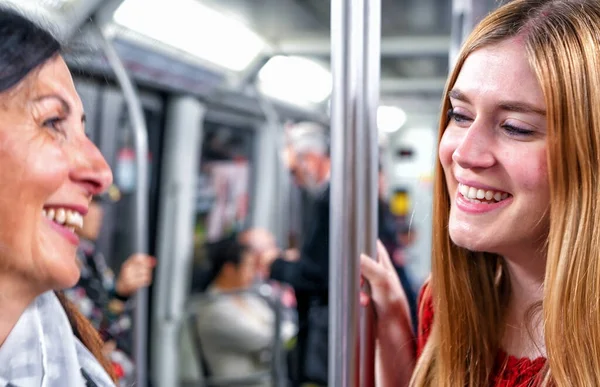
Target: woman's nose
[
  {"x": 89, "y": 168},
  {"x": 474, "y": 149}
]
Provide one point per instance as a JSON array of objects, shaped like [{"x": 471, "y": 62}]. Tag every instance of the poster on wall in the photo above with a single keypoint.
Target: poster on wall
[{"x": 229, "y": 181}]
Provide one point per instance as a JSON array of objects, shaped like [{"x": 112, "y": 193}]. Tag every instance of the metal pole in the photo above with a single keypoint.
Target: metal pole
[
  {"x": 355, "y": 37},
  {"x": 138, "y": 125},
  {"x": 372, "y": 65}
]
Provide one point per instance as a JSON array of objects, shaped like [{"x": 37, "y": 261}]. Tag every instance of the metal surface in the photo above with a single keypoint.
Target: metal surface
[
  {"x": 466, "y": 14},
  {"x": 370, "y": 88},
  {"x": 182, "y": 146},
  {"x": 399, "y": 46},
  {"x": 355, "y": 34},
  {"x": 140, "y": 135}
]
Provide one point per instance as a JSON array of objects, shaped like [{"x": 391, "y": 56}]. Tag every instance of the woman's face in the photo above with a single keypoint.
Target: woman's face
[
  {"x": 50, "y": 170},
  {"x": 493, "y": 153}
]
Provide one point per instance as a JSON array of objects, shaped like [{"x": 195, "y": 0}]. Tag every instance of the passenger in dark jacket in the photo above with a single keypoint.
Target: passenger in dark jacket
[{"x": 307, "y": 158}]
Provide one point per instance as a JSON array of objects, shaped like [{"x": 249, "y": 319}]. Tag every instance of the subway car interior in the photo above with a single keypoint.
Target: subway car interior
[{"x": 217, "y": 83}]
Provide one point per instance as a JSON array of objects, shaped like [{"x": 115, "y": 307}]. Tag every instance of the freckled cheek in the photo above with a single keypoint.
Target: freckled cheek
[{"x": 533, "y": 179}]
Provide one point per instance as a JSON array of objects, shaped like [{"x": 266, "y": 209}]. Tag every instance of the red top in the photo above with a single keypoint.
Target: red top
[{"x": 517, "y": 372}]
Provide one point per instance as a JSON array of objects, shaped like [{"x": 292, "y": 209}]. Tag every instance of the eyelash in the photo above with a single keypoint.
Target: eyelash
[
  {"x": 510, "y": 129},
  {"x": 54, "y": 124}
]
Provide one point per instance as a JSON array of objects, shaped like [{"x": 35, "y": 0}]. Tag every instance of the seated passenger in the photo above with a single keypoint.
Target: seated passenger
[
  {"x": 101, "y": 298},
  {"x": 47, "y": 163},
  {"x": 236, "y": 330}
]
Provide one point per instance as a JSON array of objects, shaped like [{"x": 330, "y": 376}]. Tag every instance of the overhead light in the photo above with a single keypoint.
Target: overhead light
[
  {"x": 54, "y": 4},
  {"x": 390, "y": 118},
  {"x": 295, "y": 79},
  {"x": 194, "y": 28}
]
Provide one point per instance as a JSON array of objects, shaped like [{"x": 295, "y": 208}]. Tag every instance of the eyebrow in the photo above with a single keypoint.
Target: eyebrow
[
  {"x": 513, "y": 106},
  {"x": 63, "y": 103}
]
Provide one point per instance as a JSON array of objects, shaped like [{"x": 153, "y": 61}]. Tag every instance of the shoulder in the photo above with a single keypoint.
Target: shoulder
[{"x": 425, "y": 307}]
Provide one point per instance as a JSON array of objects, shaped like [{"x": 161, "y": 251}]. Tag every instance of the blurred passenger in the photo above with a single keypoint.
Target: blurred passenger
[
  {"x": 260, "y": 242},
  {"x": 47, "y": 163},
  {"x": 307, "y": 157},
  {"x": 514, "y": 294},
  {"x": 102, "y": 298},
  {"x": 236, "y": 328},
  {"x": 391, "y": 233}
]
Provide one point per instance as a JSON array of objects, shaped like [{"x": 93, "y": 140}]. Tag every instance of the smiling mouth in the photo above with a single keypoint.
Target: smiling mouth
[
  {"x": 476, "y": 195},
  {"x": 64, "y": 217}
]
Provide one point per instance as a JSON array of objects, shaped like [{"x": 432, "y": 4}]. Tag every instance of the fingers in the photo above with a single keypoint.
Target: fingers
[
  {"x": 364, "y": 299},
  {"x": 369, "y": 268},
  {"x": 141, "y": 260},
  {"x": 135, "y": 273},
  {"x": 383, "y": 256}
]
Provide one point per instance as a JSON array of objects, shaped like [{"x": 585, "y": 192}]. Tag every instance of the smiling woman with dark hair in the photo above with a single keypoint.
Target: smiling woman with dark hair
[{"x": 50, "y": 171}]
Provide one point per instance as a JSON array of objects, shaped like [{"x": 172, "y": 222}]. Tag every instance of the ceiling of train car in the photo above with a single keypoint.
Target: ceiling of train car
[
  {"x": 165, "y": 46},
  {"x": 415, "y": 36}
]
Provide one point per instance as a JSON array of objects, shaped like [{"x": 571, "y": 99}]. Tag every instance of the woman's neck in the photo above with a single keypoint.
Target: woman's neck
[
  {"x": 524, "y": 336},
  {"x": 14, "y": 299}
]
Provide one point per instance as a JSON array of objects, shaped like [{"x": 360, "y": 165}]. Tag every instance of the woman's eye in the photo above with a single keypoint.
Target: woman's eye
[
  {"x": 456, "y": 117},
  {"x": 54, "y": 123},
  {"x": 516, "y": 131}
]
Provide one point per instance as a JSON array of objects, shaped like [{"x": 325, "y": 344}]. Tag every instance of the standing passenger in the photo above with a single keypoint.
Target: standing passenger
[
  {"x": 102, "y": 298},
  {"x": 47, "y": 163},
  {"x": 514, "y": 295},
  {"x": 308, "y": 161}
]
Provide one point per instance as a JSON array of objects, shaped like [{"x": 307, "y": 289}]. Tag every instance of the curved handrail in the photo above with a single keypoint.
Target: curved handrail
[{"x": 140, "y": 134}]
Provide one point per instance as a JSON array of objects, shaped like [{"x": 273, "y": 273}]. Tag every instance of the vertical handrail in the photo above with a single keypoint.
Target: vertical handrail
[
  {"x": 140, "y": 135},
  {"x": 372, "y": 69},
  {"x": 343, "y": 268},
  {"x": 355, "y": 56}
]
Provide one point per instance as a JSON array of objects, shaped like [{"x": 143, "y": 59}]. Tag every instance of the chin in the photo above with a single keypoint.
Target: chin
[
  {"x": 63, "y": 275},
  {"x": 467, "y": 239}
]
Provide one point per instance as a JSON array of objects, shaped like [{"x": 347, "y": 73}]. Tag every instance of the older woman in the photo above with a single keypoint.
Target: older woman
[{"x": 50, "y": 170}]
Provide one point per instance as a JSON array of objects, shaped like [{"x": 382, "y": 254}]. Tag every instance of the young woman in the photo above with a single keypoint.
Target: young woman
[{"x": 514, "y": 294}]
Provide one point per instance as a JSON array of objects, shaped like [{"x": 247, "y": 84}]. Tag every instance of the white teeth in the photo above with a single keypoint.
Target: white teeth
[
  {"x": 472, "y": 193},
  {"x": 70, "y": 219},
  {"x": 476, "y": 195},
  {"x": 61, "y": 216}
]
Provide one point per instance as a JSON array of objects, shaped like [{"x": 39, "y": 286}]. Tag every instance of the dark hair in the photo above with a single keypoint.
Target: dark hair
[
  {"x": 224, "y": 251},
  {"x": 24, "y": 47}
]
